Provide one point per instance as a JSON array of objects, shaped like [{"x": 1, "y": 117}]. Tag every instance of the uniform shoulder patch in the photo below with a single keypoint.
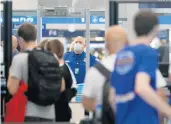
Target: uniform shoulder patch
[{"x": 124, "y": 62}]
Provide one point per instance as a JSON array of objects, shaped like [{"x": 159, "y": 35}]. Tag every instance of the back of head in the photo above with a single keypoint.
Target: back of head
[
  {"x": 115, "y": 37},
  {"x": 27, "y": 32},
  {"x": 56, "y": 47},
  {"x": 42, "y": 44},
  {"x": 145, "y": 22}
]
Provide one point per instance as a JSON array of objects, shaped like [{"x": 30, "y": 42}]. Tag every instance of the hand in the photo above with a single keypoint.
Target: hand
[
  {"x": 168, "y": 113},
  {"x": 74, "y": 91},
  {"x": 71, "y": 46}
]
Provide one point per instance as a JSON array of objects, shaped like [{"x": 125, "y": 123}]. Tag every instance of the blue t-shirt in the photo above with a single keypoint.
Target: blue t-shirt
[{"x": 130, "y": 108}]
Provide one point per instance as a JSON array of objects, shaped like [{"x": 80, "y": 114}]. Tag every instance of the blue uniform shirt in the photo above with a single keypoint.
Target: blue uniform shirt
[
  {"x": 78, "y": 65},
  {"x": 130, "y": 108}
]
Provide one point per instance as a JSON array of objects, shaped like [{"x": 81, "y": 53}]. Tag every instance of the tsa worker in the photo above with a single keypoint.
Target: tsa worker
[{"x": 76, "y": 59}]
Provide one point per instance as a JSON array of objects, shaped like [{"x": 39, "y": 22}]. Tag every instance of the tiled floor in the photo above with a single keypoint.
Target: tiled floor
[{"x": 77, "y": 112}]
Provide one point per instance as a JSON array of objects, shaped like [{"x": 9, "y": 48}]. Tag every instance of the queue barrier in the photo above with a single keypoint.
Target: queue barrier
[{"x": 79, "y": 95}]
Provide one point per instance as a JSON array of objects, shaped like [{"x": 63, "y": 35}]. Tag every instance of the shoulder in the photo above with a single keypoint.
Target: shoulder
[
  {"x": 67, "y": 54},
  {"x": 94, "y": 77},
  {"x": 144, "y": 49},
  {"x": 20, "y": 58},
  {"x": 138, "y": 50},
  {"x": 92, "y": 57},
  {"x": 109, "y": 62}
]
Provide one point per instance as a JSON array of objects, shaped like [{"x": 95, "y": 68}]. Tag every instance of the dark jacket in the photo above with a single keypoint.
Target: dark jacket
[{"x": 62, "y": 110}]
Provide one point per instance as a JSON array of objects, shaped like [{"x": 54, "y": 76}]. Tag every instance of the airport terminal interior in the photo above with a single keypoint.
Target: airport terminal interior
[{"x": 65, "y": 20}]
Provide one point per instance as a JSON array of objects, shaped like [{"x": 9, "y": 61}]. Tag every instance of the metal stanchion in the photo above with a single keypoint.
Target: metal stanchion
[
  {"x": 87, "y": 37},
  {"x": 88, "y": 40},
  {"x": 39, "y": 24},
  {"x": 113, "y": 13},
  {"x": 7, "y": 30},
  {"x": 7, "y": 35}
]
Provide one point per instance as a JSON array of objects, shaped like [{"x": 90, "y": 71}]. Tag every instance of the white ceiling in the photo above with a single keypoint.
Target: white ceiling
[
  {"x": 97, "y": 5},
  {"x": 94, "y": 4}
]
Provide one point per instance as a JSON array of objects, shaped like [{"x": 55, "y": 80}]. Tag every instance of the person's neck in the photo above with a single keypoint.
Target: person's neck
[
  {"x": 78, "y": 53},
  {"x": 115, "y": 50},
  {"x": 141, "y": 40},
  {"x": 61, "y": 61},
  {"x": 30, "y": 45}
]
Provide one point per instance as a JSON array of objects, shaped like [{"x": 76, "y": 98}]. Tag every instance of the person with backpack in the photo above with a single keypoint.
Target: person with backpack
[
  {"x": 40, "y": 70},
  {"x": 63, "y": 111},
  {"x": 116, "y": 39},
  {"x": 99, "y": 75}
]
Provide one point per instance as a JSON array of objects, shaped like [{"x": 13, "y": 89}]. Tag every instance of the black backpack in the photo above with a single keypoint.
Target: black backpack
[{"x": 44, "y": 77}]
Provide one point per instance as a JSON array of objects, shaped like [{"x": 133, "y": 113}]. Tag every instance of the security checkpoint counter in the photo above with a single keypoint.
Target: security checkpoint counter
[{"x": 76, "y": 106}]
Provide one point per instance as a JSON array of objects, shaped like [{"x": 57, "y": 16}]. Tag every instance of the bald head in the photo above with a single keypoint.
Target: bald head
[
  {"x": 14, "y": 42},
  {"x": 79, "y": 45},
  {"x": 116, "y": 38},
  {"x": 79, "y": 39}
]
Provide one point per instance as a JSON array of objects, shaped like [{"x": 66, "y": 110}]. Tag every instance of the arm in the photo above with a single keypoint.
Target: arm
[
  {"x": 90, "y": 90},
  {"x": 63, "y": 85},
  {"x": 161, "y": 83},
  {"x": 112, "y": 97},
  {"x": 142, "y": 87},
  {"x": 74, "y": 81},
  {"x": 71, "y": 90},
  {"x": 15, "y": 75}
]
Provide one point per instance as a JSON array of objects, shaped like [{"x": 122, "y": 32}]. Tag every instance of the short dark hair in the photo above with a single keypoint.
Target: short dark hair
[
  {"x": 144, "y": 22},
  {"x": 28, "y": 32},
  {"x": 56, "y": 47}
]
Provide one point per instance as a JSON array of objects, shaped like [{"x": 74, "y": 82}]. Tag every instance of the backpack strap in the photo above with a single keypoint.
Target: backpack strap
[
  {"x": 103, "y": 70},
  {"x": 107, "y": 112}
]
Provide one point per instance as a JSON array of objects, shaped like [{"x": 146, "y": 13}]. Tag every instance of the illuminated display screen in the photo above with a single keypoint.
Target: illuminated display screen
[{"x": 79, "y": 95}]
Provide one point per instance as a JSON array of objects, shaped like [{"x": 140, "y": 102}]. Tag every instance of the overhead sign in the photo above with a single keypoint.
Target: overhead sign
[
  {"x": 97, "y": 19},
  {"x": 163, "y": 19},
  {"x": 154, "y": 5},
  {"x": 16, "y": 26},
  {"x": 75, "y": 12},
  {"x": 22, "y": 19},
  {"x": 66, "y": 33},
  {"x": 60, "y": 20},
  {"x": 58, "y": 11}
]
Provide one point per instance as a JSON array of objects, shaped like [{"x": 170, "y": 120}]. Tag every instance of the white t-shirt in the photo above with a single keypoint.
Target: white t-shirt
[{"x": 94, "y": 80}]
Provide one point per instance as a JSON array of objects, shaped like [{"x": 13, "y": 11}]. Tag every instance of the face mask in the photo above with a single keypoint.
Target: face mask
[{"x": 78, "y": 47}]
